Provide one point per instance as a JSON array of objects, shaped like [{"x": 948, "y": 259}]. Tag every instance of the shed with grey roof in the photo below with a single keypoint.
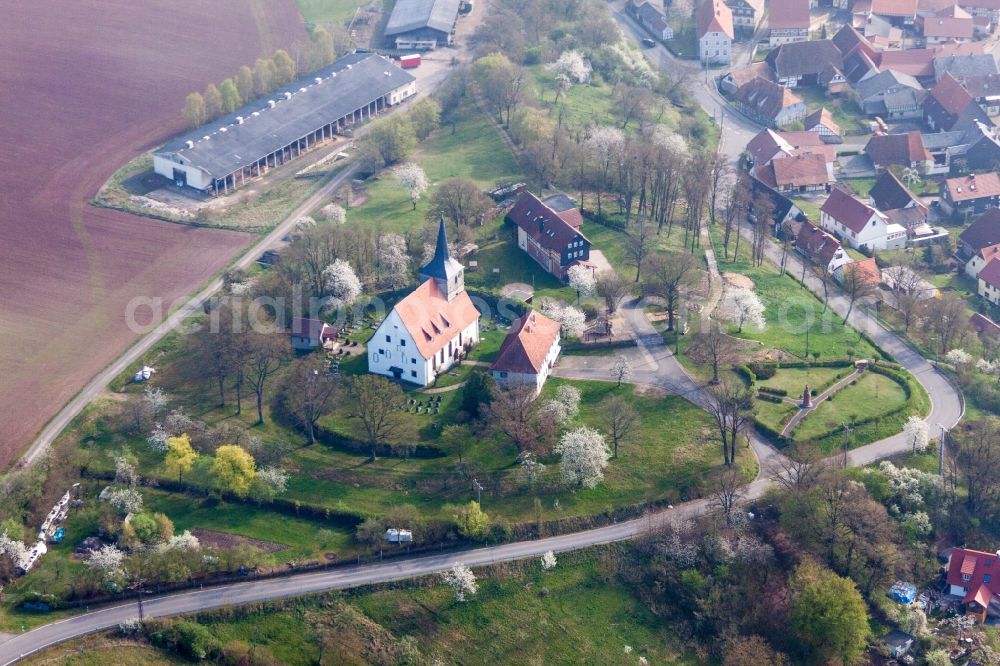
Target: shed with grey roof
[
  {"x": 422, "y": 24},
  {"x": 270, "y": 131}
]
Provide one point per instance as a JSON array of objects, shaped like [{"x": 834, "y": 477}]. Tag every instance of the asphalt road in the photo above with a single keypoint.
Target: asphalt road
[
  {"x": 657, "y": 367},
  {"x": 99, "y": 383}
]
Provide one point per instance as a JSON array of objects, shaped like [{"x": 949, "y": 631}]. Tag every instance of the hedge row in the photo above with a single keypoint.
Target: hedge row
[
  {"x": 589, "y": 346},
  {"x": 767, "y": 397},
  {"x": 772, "y": 391}
]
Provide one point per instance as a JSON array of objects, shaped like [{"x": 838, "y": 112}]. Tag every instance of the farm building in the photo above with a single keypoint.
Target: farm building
[
  {"x": 422, "y": 24},
  {"x": 266, "y": 133}
]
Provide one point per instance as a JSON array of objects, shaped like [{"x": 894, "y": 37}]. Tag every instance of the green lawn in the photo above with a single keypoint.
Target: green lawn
[
  {"x": 846, "y": 113},
  {"x": 773, "y": 414},
  {"x": 328, "y": 11},
  {"x": 793, "y": 380},
  {"x": 791, "y": 310},
  {"x": 475, "y": 150},
  {"x": 872, "y": 395},
  {"x": 515, "y": 266}
]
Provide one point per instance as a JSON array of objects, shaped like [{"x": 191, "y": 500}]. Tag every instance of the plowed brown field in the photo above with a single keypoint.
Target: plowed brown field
[{"x": 85, "y": 85}]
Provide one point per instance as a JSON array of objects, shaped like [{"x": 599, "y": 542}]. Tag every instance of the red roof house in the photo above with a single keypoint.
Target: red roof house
[
  {"x": 974, "y": 575},
  {"x": 528, "y": 353},
  {"x": 549, "y": 236}
]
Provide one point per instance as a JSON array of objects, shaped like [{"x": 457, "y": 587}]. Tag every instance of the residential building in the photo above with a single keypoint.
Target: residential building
[
  {"x": 986, "y": 91},
  {"x": 714, "y": 23},
  {"x": 905, "y": 150},
  {"x": 866, "y": 269},
  {"x": 965, "y": 65},
  {"x": 984, "y": 326},
  {"x": 889, "y": 193},
  {"x": 898, "y": 12},
  {"x": 882, "y": 33},
  {"x": 747, "y": 15},
  {"x": 950, "y": 107},
  {"x": 972, "y": 194},
  {"x": 979, "y": 238},
  {"x": 769, "y": 145},
  {"x": 430, "y": 329},
  {"x": 796, "y": 174},
  {"x": 822, "y": 123},
  {"x": 858, "y": 224},
  {"x": 848, "y": 40},
  {"x": 951, "y": 24},
  {"x": 981, "y": 150},
  {"x": 737, "y": 78},
  {"x": 974, "y": 575},
  {"x": 308, "y": 334},
  {"x": 422, "y": 24},
  {"x": 528, "y": 353},
  {"x": 769, "y": 103},
  {"x": 788, "y": 22},
  {"x": 651, "y": 18},
  {"x": 546, "y": 235},
  {"x": 891, "y": 95},
  {"x": 807, "y": 64},
  {"x": 820, "y": 248}
]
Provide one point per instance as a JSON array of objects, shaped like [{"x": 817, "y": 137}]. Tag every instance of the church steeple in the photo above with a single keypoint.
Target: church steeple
[{"x": 443, "y": 269}]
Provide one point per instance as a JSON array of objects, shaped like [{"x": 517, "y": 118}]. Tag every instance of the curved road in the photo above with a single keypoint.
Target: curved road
[{"x": 655, "y": 365}]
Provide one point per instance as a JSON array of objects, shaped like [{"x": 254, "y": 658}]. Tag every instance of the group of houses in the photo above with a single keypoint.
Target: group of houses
[{"x": 437, "y": 324}]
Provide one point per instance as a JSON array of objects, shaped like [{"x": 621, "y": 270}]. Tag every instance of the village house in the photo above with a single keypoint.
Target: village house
[
  {"x": 308, "y": 334},
  {"x": 820, "y": 248},
  {"x": 715, "y": 34},
  {"x": 949, "y": 106},
  {"x": 859, "y": 224},
  {"x": 889, "y": 193},
  {"x": 550, "y": 237},
  {"x": 980, "y": 242},
  {"x": 965, "y": 65},
  {"x": 737, "y": 78},
  {"x": 822, "y": 123},
  {"x": 891, "y": 95},
  {"x": 983, "y": 12},
  {"x": 796, "y": 174},
  {"x": 986, "y": 91},
  {"x": 815, "y": 63},
  {"x": 428, "y": 331},
  {"x": 988, "y": 281},
  {"x": 769, "y": 103},
  {"x": 984, "y": 326},
  {"x": 905, "y": 150},
  {"x": 769, "y": 145},
  {"x": 974, "y": 575},
  {"x": 900, "y": 13},
  {"x": 788, "y": 22},
  {"x": 652, "y": 19},
  {"x": 528, "y": 353},
  {"x": 747, "y": 15},
  {"x": 981, "y": 149},
  {"x": 880, "y": 32},
  {"x": 968, "y": 195},
  {"x": 951, "y": 24}
]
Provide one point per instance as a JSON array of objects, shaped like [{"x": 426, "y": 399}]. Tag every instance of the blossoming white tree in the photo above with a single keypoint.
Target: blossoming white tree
[
  {"x": 183, "y": 541},
  {"x": 393, "y": 260},
  {"x": 621, "y": 369},
  {"x": 275, "y": 478},
  {"x": 413, "y": 179},
  {"x": 742, "y": 306},
  {"x": 341, "y": 282},
  {"x": 548, "y": 560},
  {"x": 461, "y": 580},
  {"x": 584, "y": 457},
  {"x": 916, "y": 434},
  {"x": 108, "y": 559},
  {"x": 157, "y": 439},
  {"x": 571, "y": 66},
  {"x": 571, "y": 320},
  {"x": 987, "y": 367},
  {"x": 156, "y": 400},
  {"x": 124, "y": 500},
  {"x": 565, "y": 405},
  {"x": 333, "y": 213},
  {"x": 16, "y": 550},
  {"x": 582, "y": 279},
  {"x": 958, "y": 357}
]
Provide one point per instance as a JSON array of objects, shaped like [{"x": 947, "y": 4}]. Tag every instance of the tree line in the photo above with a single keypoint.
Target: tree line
[{"x": 267, "y": 75}]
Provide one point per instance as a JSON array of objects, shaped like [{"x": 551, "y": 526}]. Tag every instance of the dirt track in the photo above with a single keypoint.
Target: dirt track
[{"x": 84, "y": 86}]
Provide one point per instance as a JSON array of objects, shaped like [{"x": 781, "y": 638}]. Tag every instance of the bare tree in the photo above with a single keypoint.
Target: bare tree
[
  {"x": 667, "y": 276},
  {"x": 460, "y": 200},
  {"x": 730, "y": 405},
  {"x": 737, "y": 202},
  {"x": 376, "y": 402},
  {"x": 515, "y": 413},
  {"x": 944, "y": 321},
  {"x": 904, "y": 284},
  {"x": 798, "y": 469},
  {"x": 763, "y": 208},
  {"x": 308, "y": 393},
  {"x": 267, "y": 353},
  {"x": 856, "y": 285},
  {"x": 713, "y": 347},
  {"x": 639, "y": 244},
  {"x": 612, "y": 288},
  {"x": 729, "y": 488},
  {"x": 621, "y": 421}
]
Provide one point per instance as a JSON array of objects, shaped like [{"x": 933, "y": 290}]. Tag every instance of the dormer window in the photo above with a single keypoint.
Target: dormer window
[{"x": 966, "y": 577}]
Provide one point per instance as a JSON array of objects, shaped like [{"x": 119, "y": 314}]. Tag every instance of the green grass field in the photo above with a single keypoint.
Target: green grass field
[
  {"x": 576, "y": 613},
  {"x": 791, "y": 310},
  {"x": 774, "y": 414},
  {"x": 872, "y": 395},
  {"x": 328, "y": 11},
  {"x": 793, "y": 380}
]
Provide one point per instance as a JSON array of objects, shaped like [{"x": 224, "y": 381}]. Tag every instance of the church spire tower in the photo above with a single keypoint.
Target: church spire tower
[{"x": 443, "y": 269}]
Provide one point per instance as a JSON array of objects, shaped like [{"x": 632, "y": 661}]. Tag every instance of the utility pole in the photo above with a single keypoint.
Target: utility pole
[
  {"x": 944, "y": 436},
  {"x": 478, "y": 487},
  {"x": 847, "y": 442}
]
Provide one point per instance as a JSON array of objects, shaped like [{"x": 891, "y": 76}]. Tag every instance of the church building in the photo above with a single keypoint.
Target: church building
[{"x": 428, "y": 331}]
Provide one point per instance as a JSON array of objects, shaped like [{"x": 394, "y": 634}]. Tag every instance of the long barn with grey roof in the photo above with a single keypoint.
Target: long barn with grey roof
[
  {"x": 422, "y": 24},
  {"x": 272, "y": 130}
]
